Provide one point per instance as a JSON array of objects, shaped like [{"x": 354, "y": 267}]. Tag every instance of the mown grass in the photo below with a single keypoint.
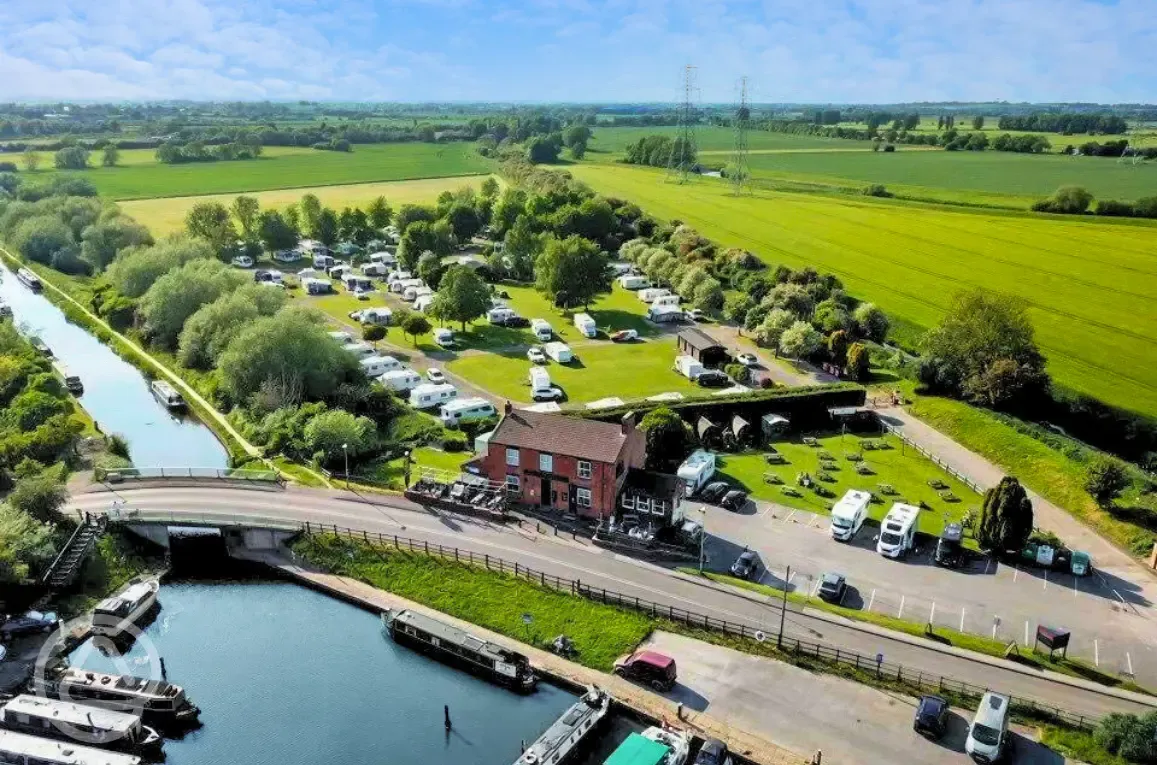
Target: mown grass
[
  {"x": 489, "y": 599},
  {"x": 1078, "y": 745},
  {"x": 392, "y": 472},
  {"x": 1095, "y": 325}
]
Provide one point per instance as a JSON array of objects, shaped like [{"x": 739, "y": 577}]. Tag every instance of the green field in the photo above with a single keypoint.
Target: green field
[
  {"x": 1091, "y": 285},
  {"x": 142, "y": 178},
  {"x": 614, "y": 140}
]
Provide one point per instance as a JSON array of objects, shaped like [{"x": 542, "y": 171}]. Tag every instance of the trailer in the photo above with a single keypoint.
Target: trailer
[
  {"x": 401, "y": 380},
  {"x": 560, "y": 352}
]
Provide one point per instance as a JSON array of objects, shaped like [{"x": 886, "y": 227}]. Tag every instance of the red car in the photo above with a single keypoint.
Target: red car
[{"x": 648, "y": 667}]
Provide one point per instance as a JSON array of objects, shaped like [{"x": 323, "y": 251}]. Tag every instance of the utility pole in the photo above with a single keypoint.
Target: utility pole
[
  {"x": 702, "y": 537},
  {"x": 783, "y": 609},
  {"x": 740, "y": 170},
  {"x": 683, "y": 149}
]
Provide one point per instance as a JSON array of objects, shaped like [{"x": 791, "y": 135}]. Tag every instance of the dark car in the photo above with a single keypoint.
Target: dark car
[
  {"x": 745, "y": 566},
  {"x": 713, "y": 752},
  {"x": 949, "y": 552},
  {"x": 648, "y": 667},
  {"x": 734, "y": 500},
  {"x": 515, "y": 322},
  {"x": 714, "y": 491},
  {"x": 28, "y": 623},
  {"x": 832, "y": 587},
  {"x": 931, "y": 716},
  {"x": 712, "y": 379}
]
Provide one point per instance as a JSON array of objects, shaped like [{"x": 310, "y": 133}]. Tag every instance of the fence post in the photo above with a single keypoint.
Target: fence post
[
  {"x": 396, "y": 542},
  {"x": 455, "y": 554},
  {"x": 366, "y": 536},
  {"x": 487, "y": 561},
  {"x": 837, "y": 656},
  {"x": 543, "y": 575}
]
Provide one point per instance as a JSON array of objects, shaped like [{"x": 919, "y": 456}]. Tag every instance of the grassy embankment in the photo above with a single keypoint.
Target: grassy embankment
[{"x": 912, "y": 259}]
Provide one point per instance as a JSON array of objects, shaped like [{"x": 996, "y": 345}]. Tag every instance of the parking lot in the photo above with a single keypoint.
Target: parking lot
[{"x": 1109, "y": 618}]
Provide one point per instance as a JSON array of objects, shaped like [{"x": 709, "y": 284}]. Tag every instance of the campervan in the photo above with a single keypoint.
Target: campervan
[
  {"x": 898, "y": 531},
  {"x": 651, "y": 294},
  {"x": 431, "y": 395},
  {"x": 500, "y": 315},
  {"x": 341, "y": 336},
  {"x": 632, "y": 282},
  {"x": 384, "y": 258},
  {"x": 560, "y": 352},
  {"x": 849, "y": 513},
  {"x": 696, "y": 470},
  {"x": 988, "y": 734},
  {"x": 401, "y": 380},
  {"x": 621, "y": 268},
  {"x": 541, "y": 329},
  {"x": 466, "y": 410},
  {"x": 444, "y": 337},
  {"x": 585, "y": 325},
  {"x": 688, "y": 366},
  {"x": 359, "y": 349},
  {"x": 376, "y": 366}
]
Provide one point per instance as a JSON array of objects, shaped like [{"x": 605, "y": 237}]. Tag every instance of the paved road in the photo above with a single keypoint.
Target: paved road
[{"x": 593, "y": 566}]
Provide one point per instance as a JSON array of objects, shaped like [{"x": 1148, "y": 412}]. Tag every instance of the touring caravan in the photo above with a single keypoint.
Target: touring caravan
[
  {"x": 696, "y": 470},
  {"x": 400, "y": 380},
  {"x": 323, "y": 261},
  {"x": 466, "y": 410},
  {"x": 375, "y": 269},
  {"x": 898, "y": 531},
  {"x": 380, "y": 316},
  {"x": 664, "y": 313},
  {"x": 541, "y": 329},
  {"x": 423, "y": 302},
  {"x": 688, "y": 366},
  {"x": 341, "y": 336},
  {"x": 317, "y": 286},
  {"x": 560, "y": 352},
  {"x": 359, "y": 349},
  {"x": 376, "y": 366},
  {"x": 632, "y": 282},
  {"x": 849, "y": 513},
  {"x": 354, "y": 282},
  {"x": 539, "y": 380},
  {"x": 651, "y": 294},
  {"x": 666, "y": 300},
  {"x": 431, "y": 395},
  {"x": 412, "y": 293},
  {"x": 444, "y": 337},
  {"x": 400, "y": 285},
  {"x": 500, "y": 315},
  {"x": 585, "y": 325}
]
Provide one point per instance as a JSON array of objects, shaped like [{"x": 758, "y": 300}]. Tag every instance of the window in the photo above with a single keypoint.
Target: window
[
  {"x": 511, "y": 457},
  {"x": 546, "y": 463},
  {"x": 512, "y": 483},
  {"x": 582, "y": 497},
  {"x": 584, "y": 469}
]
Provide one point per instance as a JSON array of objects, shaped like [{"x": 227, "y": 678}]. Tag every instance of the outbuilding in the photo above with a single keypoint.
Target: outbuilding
[{"x": 702, "y": 347}]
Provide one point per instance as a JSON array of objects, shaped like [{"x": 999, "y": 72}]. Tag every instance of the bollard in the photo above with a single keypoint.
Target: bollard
[
  {"x": 446, "y": 710},
  {"x": 164, "y": 670}
]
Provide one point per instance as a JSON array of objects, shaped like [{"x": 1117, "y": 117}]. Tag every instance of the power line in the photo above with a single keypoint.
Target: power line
[
  {"x": 740, "y": 170},
  {"x": 681, "y": 163}
]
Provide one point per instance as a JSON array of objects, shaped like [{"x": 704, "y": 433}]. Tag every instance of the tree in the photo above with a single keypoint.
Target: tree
[
  {"x": 576, "y": 135},
  {"x": 521, "y": 248},
  {"x": 25, "y": 543},
  {"x": 31, "y": 159},
  {"x": 668, "y": 438},
  {"x": 859, "y": 362},
  {"x": 508, "y": 209},
  {"x": 335, "y": 433},
  {"x": 208, "y": 332},
  {"x": 489, "y": 188},
  {"x": 708, "y": 296},
  {"x": 71, "y": 158},
  {"x": 543, "y": 149},
  {"x": 40, "y": 238},
  {"x": 871, "y": 322},
  {"x": 41, "y": 497},
  {"x": 978, "y": 122},
  {"x": 1105, "y": 479},
  {"x": 211, "y": 222},
  {"x": 462, "y": 296},
  {"x": 101, "y": 241},
  {"x": 410, "y": 214},
  {"x": 110, "y": 156},
  {"x": 177, "y": 295},
  {"x": 354, "y": 226},
  {"x": 430, "y": 270},
  {"x": 246, "y": 210},
  {"x": 770, "y": 329},
  {"x": 415, "y": 325},
  {"x": 325, "y": 229},
  {"x": 1005, "y": 517},
  {"x": 735, "y": 307},
  {"x": 421, "y": 237},
  {"x": 136, "y": 268},
  {"x": 800, "y": 340},
  {"x": 831, "y": 316},
  {"x": 464, "y": 220},
  {"x": 572, "y": 271},
  {"x": 275, "y": 232},
  {"x": 792, "y": 297},
  {"x": 838, "y": 347},
  {"x": 1069, "y": 200},
  {"x": 310, "y": 208},
  {"x": 379, "y": 213}
]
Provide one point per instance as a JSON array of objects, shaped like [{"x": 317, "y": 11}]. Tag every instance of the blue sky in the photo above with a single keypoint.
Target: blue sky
[{"x": 579, "y": 50}]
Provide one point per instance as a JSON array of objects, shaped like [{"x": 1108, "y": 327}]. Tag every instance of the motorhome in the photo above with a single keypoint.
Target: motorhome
[
  {"x": 898, "y": 531},
  {"x": 585, "y": 325},
  {"x": 376, "y": 366},
  {"x": 310, "y": 273},
  {"x": 353, "y": 282},
  {"x": 541, "y": 329},
  {"x": 651, "y": 294},
  {"x": 431, "y": 395},
  {"x": 317, "y": 286},
  {"x": 341, "y": 336},
  {"x": 500, "y": 315},
  {"x": 287, "y": 256},
  {"x": 560, "y": 352},
  {"x": 401, "y": 380},
  {"x": 666, "y": 300},
  {"x": 359, "y": 349},
  {"x": 444, "y": 337},
  {"x": 632, "y": 282},
  {"x": 422, "y": 303},
  {"x": 696, "y": 470},
  {"x": 664, "y": 313},
  {"x": 988, "y": 734},
  {"x": 539, "y": 380},
  {"x": 466, "y": 410},
  {"x": 688, "y": 366},
  {"x": 849, "y": 513}
]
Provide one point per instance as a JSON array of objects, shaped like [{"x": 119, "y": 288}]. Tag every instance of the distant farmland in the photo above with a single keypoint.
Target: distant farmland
[
  {"x": 614, "y": 140},
  {"x": 1091, "y": 285}
]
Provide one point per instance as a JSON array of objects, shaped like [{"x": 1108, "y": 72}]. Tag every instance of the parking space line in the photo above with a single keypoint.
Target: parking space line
[
  {"x": 843, "y": 595},
  {"x": 872, "y": 599},
  {"x": 1026, "y": 632},
  {"x": 1076, "y": 588},
  {"x": 1046, "y": 585},
  {"x": 900, "y": 614},
  {"x": 814, "y": 519},
  {"x": 1096, "y": 653},
  {"x": 932, "y": 614},
  {"x": 791, "y": 576},
  {"x": 816, "y": 588},
  {"x": 988, "y": 566},
  {"x": 1129, "y": 661},
  {"x": 962, "y": 620},
  {"x": 789, "y": 515},
  {"x": 1016, "y": 573}
]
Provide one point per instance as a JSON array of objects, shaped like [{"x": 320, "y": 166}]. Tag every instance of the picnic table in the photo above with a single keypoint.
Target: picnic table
[
  {"x": 886, "y": 489},
  {"x": 772, "y": 478},
  {"x": 863, "y": 469},
  {"x": 810, "y": 441}
]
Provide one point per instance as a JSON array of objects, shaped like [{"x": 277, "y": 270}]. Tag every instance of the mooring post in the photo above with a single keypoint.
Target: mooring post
[
  {"x": 164, "y": 670},
  {"x": 446, "y": 710}
]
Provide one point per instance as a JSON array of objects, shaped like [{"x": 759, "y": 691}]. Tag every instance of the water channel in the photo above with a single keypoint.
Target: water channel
[
  {"x": 287, "y": 676},
  {"x": 116, "y": 394}
]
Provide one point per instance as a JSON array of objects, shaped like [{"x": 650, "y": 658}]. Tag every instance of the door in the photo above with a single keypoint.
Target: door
[{"x": 544, "y": 492}]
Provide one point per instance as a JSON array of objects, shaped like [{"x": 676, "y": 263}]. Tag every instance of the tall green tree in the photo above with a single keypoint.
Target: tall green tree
[
  {"x": 1005, "y": 517},
  {"x": 177, "y": 295},
  {"x": 668, "y": 438},
  {"x": 136, "y": 268},
  {"x": 101, "y": 241},
  {"x": 30, "y": 159},
  {"x": 211, "y": 221},
  {"x": 336, "y": 433},
  {"x": 572, "y": 272},
  {"x": 246, "y": 210},
  {"x": 800, "y": 340},
  {"x": 379, "y": 213},
  {"x": 275, "y": 232},
  {"x": 110, "y": 156},
  {"x": 326, "y": 228},
  {"x": 310, "y": 207},
  {"x": 71, "y": 158},
  {"x": 462, "y": 296},
  {"x": 1105, "y": 479}
]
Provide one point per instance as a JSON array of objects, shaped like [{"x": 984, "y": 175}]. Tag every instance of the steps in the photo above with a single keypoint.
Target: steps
[{"x": 62, "y": 573}]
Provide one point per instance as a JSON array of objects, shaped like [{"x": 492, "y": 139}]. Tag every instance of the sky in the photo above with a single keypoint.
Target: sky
[{"x": 804, "y": 51}]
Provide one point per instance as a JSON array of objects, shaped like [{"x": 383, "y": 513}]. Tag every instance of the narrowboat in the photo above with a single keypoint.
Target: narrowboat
[
  {"x": 79, "y": 723},
  {"x": 72, "y": 381},
  {"x": 565, "y": 737},
  {"x": 29, "y": 279},
  {"x": 458, "y": 647},
  {"x": 158, "y": 702},
  {"x": 167, "y": 395},
  {"x": 22, "y": 749},
  {"x": 114, "y": 615},
  {"x": 5, "y": 310}
]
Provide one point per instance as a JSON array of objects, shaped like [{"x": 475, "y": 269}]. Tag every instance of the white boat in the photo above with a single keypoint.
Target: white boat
[
  {"x": 167, "y": 395},
  {"x": 23, "y": 749},
  {"x": 678, "y": 742},
  {"x": 113, "y": 615},
  {"x": 81, "y": 723}
]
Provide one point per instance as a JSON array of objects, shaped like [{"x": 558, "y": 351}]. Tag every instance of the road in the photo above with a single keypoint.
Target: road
[{"x": 576, "y": 559}]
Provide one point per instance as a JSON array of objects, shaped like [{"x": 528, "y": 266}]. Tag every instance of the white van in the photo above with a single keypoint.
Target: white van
[
  {"x": 431, "y": 395},
  {"x": 666, "y": 300},
  {"x": 359, "y": 349},
  {"x": 898, "y": 531},
  {"x": 988, "y": 735},
  {"x": 410, "y": 294},
  {"x": 376, "y": 366},
  {"x": 632, "y": 282},
  {"x": 541, "y": 329},
  {"x": 466, "y": 410},
  {"x": 560, "y": 352},
  {"x": 585, "y": 325},
  {"x": 651, "y": 294},
  {"x": 696, "y": 470},
  {"x": 849, "y": 513},
  {"x": 401, "y": 380},
  {"x": 444, "y": 337},
  {"x": 688, "y": 366}
]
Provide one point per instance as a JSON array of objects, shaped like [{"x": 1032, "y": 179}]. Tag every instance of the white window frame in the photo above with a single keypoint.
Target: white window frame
[
  {"x": 512, "y": 457},
  {"x": 513, "y": 484},
  {"x": 585, "y": 469},
  {"x": 582, "y": 497},
  {"x": 545, "y": 462}
]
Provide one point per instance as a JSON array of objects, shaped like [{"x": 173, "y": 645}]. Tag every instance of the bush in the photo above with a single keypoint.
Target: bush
[
  {"x": 118, "y": 445},
  {"x": 1115, "y": 208},
  {"x": 736, "y": 372},
  {"x": 1068, "y": 200},
  {"x": 877, "y": 189},
  {"x": 373, "y": 333},
  {"x": 1130, "y": 736},
  {"x": 454, "y": 441},
  {"x": 1105, "y": 479}
]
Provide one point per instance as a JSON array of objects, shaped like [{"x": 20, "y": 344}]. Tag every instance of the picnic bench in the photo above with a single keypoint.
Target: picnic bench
[
  {"x": 774, "y": 458},
  {"x": 886, "y": 489},
  {"x": 863, "y": 469},
  {"x": 772, "y": 478},
  {"x": 937, "y": 484},
  {"x": 810, "y": 441}
]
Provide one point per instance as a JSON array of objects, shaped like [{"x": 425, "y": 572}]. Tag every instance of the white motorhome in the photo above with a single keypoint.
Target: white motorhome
[
  {"x": 400, "y": 380},
  {"x": 688, "y": 366},
  {"x": 585, "y": 325},
  {"x": 696, "y": 470},
  {"x": 666, "y": 300},
  {"x": 431, "y": 395},
  {"x": 664, "y": 313},
  {"x": 376, "y": 366},
  {"x": 500, "y": 315},
  {"x": 560, "y": 352},
  {"x": 385, "y": 258},
  {"x": 651, "y": 294},
  {"x": 621, "y": 267},
  {"x": 539, "y": 380},
  {"x": 359, "y": 349},
  {"x": 898, "y": 531},
  {"x": 466, "y": 410},
  {"x": 632, "y": 282},
  {"x": 849, "y": 513},
  {"x": 541, "y": 329},
  {"x": 444, "y": 337},
  {"x": 339, "y": 270}
]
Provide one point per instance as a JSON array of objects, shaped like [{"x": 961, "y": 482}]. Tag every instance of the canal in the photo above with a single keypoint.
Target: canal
[
  {"x": 116, "y": 394},
  {"x": 287, "y": 676}
]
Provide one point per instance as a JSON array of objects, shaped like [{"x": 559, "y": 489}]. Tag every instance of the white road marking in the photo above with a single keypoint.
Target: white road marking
[
  {"x": 900, "y": 613},
  {"x": 872, "y": 599},
  {"x": 1076, "y": 588},
  {"x": 1016, "y": 573},
  {"x": 932, "y": 615},
  {"x": 1046, "y": 585},
  {"x": 843, "y": 595},
  {"x": 1026, "y": 632},
  {"x": 994, "y": 629},
  {"x": 816, "y": 589},
  {"x": 789, "y": 515},
  {"x": 791, "y": 576},
  {"x": 1096, "y": 653},
  {"x": 1129, "y": 661},
  {"x": 988, "y": 566},
  {"x": 813, "y": 520},
  {"x": 962, "y": 620}
]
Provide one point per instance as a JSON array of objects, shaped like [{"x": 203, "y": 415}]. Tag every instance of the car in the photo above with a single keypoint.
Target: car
[
  {"x": 713, "y": 752},
  {"x": 28, "y": 623},
  {"x": 361, "y": 294},
  {"x": 734, "y": 500},
  {"x": 624, "y": 335},
  {"x": 695, "y": 314},
  {"x": 745, "y": 566},
  {"x": 536, "y": 355},
  {"x": 356, "y": 315},
  {"x": 714, "y": 491},
  {"x": 648, "y": 667},
  {"x": 748, "y": 359},
  {"x": 832, "y": 587},
  {"x": 712, "y": 379},
  {"x": 553, "y": 393},
  {"x": 243, "y": 261},
  {"x": 931, "y": 717},
  {"x": 435, "y": 375},
  {"x": 515, "y": 322}
]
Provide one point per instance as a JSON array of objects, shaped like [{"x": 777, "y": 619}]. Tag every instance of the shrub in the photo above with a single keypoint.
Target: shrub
[
  {"x": 373, "y": 333},
  {"x": 1069, "y": 200},
  {"x": 1115, "y": 208},
  {"x": 1105, "y": 479},
  {"x": 877, "y": 189},
  {"x": 118, "y": 445},
  {"x": 736, "y": 372},
  {"x": 454, "y": 441}
]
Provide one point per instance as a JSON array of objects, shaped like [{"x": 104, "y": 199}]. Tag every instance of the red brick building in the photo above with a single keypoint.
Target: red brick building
[{"x": 566, "y": 463}]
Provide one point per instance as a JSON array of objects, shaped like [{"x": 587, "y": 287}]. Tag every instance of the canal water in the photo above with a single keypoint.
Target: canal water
[
  {"x": 116, "y": 394},
  {"x": 287, "y": 676}
]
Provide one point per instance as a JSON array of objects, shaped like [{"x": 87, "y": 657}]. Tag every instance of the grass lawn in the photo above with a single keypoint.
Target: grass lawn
[
  {"x": 282, "y": 168},
  {"x": 166, "y": 215},
  {"x": 1095, "y": 324},
  {"x": 393, "y": 472},
  {"x": 907, "y": 471}
]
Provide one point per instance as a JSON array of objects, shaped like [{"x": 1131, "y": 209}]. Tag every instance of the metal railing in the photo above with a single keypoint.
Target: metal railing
[
  {"x": 196, "y": 473},
  {"x": 935, "y": 459},
  {"x": 117, "y": 514},
  {"x": 916, "y": 681}
]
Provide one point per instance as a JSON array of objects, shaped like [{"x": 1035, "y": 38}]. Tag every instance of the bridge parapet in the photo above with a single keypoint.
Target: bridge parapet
[{"x": 232, "y": 475}]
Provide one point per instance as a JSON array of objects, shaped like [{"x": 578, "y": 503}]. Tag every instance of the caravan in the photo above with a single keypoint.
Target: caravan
[
  {"x": 585, "y": 325},
  {"x": 898, "y": 531},
  {"x": 632, "y": 282},
  {"x": 466, "y": 410},
  {"x": 666, "y": 300},
  {"x": 376, "y": 366},
  {"x": 651, "y": 294},
  {"x": 560, "y": 352},
  {"x": 359, "y": 349},
  {"x": 696, "y": 470},
  {"x": 665, "y": 313},
  {"x": 541, "y": 329},
  {"x": 317, "y": 286},
  {"x": 688, "y": 366},
  {"x": 423, "y": 302},
  {"x": 400, "y": 380},
  {"x": 429, "y": 396},
  {"x": 541, "y": 388},
  {"x": 849, "y": 513}
]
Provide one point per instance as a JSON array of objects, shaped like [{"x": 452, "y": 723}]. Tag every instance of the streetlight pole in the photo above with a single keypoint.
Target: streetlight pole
[
  {"x": 346, "y": 451},
  {"x": 783, "y": 609},
  {"x": 702, "y": 536}
]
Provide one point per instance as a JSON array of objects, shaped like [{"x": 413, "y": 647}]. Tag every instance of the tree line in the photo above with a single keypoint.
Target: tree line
[
  {"x": 660, "y": 151},
  {"x": 1077, "y": 200},
  {"x": 1066, "y": 123}
]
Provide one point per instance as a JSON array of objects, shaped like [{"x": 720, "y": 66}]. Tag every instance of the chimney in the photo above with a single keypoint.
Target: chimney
[
  {"x": 628, "y": 422},
  {"x": 508, "y": 407}
]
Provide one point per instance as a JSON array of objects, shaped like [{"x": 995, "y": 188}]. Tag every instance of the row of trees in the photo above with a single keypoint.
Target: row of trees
[
  {"x": 1077, "y": 200},
  {"x": 1067, "y": 123},
  {"x": 173, "y": 153},
  {"x": 657, "y": 151}
]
